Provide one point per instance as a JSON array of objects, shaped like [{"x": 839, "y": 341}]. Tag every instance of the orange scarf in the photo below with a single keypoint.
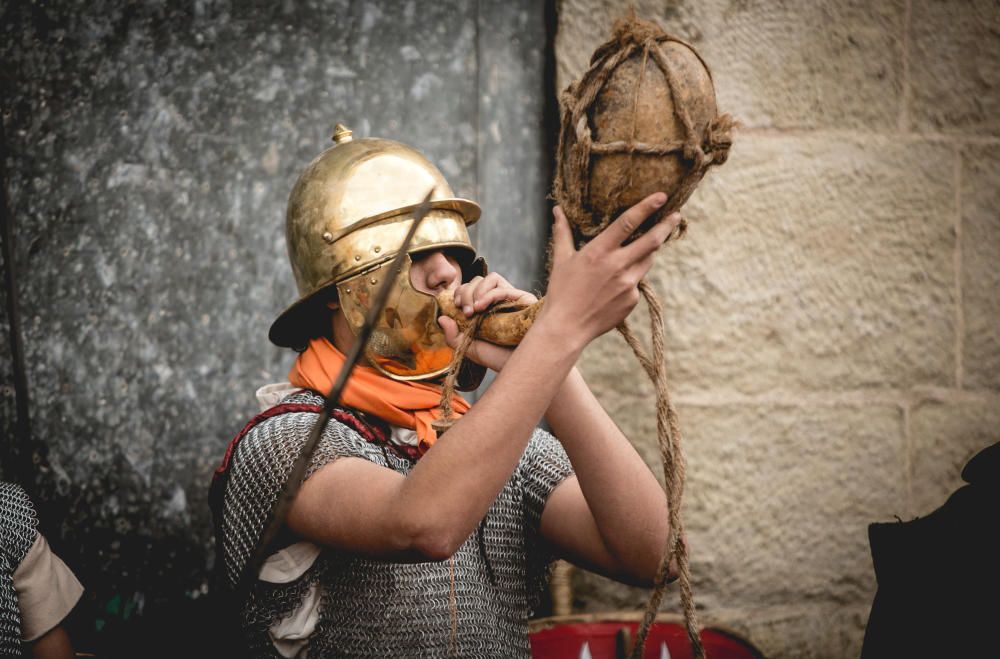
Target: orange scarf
[{"x": 412, "y": 405}]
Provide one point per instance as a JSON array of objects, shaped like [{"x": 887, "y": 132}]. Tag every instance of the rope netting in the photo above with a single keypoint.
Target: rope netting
[{"x": 700, "y": 145}]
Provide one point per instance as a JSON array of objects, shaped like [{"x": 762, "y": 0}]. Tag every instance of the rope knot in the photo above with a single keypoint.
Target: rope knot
[{"x": 718, "y": 138}]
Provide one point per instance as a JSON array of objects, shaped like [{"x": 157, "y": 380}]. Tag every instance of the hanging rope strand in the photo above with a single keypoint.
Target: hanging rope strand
[
  {"x": 676, "y": 469},
  {"x": 694, "y": 140},
  {"x": 669, "y": 443},
  {"x": 693, "y": 137},
  {"x": 448, "y": 387}
]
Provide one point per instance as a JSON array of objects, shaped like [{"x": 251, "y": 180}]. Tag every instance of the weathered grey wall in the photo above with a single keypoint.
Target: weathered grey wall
[
  {"x": 151, "y": 148},
  {"x": 833, "y": 323}
]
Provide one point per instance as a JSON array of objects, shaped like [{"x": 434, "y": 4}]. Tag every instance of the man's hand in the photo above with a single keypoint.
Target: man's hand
[
  {"x": 481, "y": 293},
  {"x": 594, "y": 289},
  {"x": 476, "y": 296}
]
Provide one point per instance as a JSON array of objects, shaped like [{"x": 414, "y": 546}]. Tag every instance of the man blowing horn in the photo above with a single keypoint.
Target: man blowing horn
[{"x": 401, "y": 541}]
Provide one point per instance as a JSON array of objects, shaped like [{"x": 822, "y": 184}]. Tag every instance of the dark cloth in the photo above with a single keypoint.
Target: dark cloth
[{"x": 939, "y": 576}]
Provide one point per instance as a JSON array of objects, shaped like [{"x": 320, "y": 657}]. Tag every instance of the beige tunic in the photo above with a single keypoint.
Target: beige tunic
[{"x": 46, "y": 590}]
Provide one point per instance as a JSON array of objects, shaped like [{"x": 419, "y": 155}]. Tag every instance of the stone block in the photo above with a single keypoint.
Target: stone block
[
  {"x": 945, "y": 436},
  {"x": 955, "y": 66},
  {"x": 783, "y": 65},
  {"x": 777, "y": 503},
  {"x": 803, "y": 631},
  {"x": 810, "y": 264},
  {"x": 980, "y": 256}
]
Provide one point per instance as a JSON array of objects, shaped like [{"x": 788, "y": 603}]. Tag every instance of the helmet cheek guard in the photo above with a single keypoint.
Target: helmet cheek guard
[{"x": 406, "y": 341}]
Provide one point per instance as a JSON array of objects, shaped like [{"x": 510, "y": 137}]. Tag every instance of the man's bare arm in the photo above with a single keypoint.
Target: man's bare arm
[
  {"x": 431, "y": 512},
  {"x": 612, "y": 517}
]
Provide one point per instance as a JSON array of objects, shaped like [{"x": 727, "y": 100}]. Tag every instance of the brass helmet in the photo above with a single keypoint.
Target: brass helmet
[{"x": 347, "y": 216}]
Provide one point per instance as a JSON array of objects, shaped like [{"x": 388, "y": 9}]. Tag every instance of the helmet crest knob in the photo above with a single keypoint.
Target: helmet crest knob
[{"x": 341, "y": 134}]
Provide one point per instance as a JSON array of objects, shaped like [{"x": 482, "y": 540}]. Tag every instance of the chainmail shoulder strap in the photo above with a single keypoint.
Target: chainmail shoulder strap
[
  {"x": 543, "y": 466},
  {"x": 258, "y": 461},
  {"x": 18, "y": 530}
]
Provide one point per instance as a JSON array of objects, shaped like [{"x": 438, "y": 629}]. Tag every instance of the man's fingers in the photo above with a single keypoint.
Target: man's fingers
[
  {"x": 450, "y": 328},
  {"x": 626, "y": 224},
  {"x": 641, "y": 267},
  {"x": 562, "y": 237},
  {"x": 486, "y": 299},
  {"x": 492, "y": 282},
  {"x": 464, "y": 297},
  {"x": 488, "y": 355},
  {"x": 508, "y": 294},
  {"x": 481, "y": 352},
  {"x": 653, "y": 239}
]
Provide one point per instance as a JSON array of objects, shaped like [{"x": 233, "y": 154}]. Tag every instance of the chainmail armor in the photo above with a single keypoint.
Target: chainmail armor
[
  {"x": 378, "y": 609},
  {"x": 18, "y": 524}
]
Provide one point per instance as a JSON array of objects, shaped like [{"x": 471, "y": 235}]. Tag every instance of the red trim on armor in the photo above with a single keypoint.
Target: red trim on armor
[
  {"x": 281, "y": 408},
  {"x": 368, "y": 432},
  {"x": 216, "y": 490}
]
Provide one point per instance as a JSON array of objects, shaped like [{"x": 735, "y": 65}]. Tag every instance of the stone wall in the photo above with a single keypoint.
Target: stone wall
[{"x": 833, "y": 324}]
